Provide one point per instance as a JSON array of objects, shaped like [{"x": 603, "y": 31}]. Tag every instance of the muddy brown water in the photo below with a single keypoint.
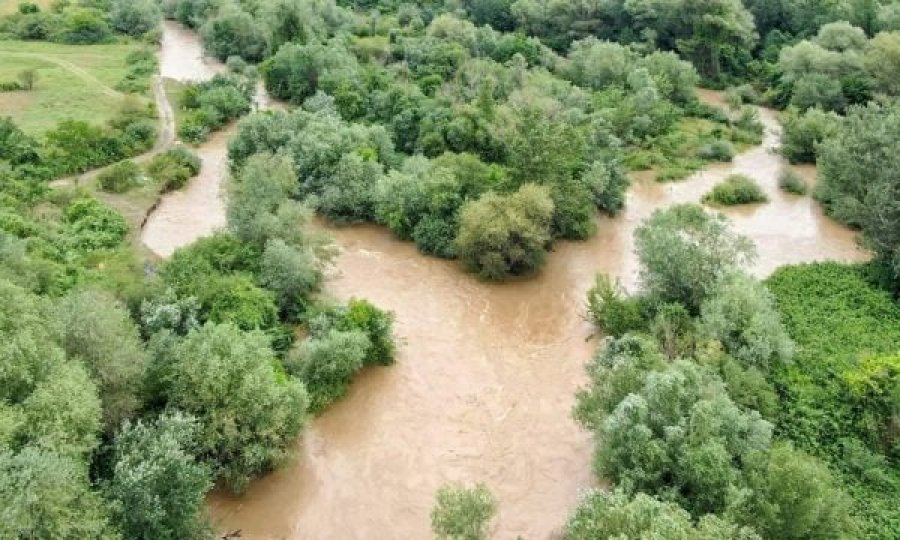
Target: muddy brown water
[{"x": 484, "y": 382}]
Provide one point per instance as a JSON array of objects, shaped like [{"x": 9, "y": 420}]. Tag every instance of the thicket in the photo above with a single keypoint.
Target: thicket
[
  {"x": 74, "y": 147},
  {"x": 83, "y": 22},
  {"x": 211, "y": 104},
  {"x": 683, "y": 398}
]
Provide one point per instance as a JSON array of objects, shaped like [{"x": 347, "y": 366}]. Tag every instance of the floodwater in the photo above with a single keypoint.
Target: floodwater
[
  {"x": 484, "y": 382},
  {"x": 196, "y": 210},
  {"x": 181, "y": 55}
]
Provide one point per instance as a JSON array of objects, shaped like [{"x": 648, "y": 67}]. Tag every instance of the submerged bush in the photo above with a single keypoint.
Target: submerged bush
[
  {"x": 504, "y": 235},
  {"x": 736, "y": 189},
  {"x": 173, "y": 168},
  {"x": 791, "y": 182}
]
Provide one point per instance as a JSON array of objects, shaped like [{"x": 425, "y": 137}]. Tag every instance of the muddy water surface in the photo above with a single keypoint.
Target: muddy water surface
[
  {"x": 484, "y": 383},
  {"x": 181, "y": 55},
  {"x": 483, "y": 388}
]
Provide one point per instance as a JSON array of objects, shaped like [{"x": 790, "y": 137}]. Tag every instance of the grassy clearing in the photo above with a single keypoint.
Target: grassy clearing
[{"x": 74, "y": 82}]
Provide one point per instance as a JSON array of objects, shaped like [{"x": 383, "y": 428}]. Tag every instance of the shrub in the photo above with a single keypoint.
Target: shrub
[
  {"x": 92, "y": 225},
  {"x": 791, "y": 182},
  {"x": 684, "y": 252},
  {"x": 120, "y": 177},
  {"x": 326, "y": 364},
  {"x": 463, "y": 514},
  {"x": 173, "y": 168},
  {"x": 360, "y": 315},
  {"x": 736, "y": 189},
  {"x": 804, "y": 132},
  {"x": 716, "y": 151},
  {"x": 135, "y": 17},
  {"x": 504, "y": 235},
  {"x": 611, "y": 310}
]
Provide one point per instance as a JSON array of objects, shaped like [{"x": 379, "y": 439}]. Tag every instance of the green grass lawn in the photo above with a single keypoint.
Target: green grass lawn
[{"x": 74, "y": 82}]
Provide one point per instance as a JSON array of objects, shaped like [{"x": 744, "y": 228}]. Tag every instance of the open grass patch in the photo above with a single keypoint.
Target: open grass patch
[
  {"x": 736, "y": 189},
  {"x": 74, "y": 82}
]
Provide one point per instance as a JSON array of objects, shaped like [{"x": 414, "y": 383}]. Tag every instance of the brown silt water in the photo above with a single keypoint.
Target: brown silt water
[{"x": 485, "y": 378}]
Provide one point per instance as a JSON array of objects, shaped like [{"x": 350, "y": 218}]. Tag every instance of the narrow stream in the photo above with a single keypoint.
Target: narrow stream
[{"x": 484, "y": 384}]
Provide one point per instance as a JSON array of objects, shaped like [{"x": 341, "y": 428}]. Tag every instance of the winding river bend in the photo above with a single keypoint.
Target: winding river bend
[{"x": 484, "y": 384}]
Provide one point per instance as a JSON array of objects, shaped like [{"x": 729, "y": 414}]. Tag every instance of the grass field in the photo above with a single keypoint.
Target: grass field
[
  {"x": 74, "y": 82},
  {"x": 11, "y": 6}
]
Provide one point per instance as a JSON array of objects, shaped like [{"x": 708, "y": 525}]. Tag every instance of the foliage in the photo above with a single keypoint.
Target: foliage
[
  {"x": 716, "y": 151},
  {"x": 233, "y": 32},
  {"x": 462, "y": 513},
  {"x": 157, "y": 487},
  {"x": 46, "y": 495},
  {"x": 838, "y": 320},
  {"x": 99, "y": 332},
  {"x": 248, "y": 412},
  {"x": 736, "y": 189},
  {"x": 212, "y": 104},
  {"x": 92, "y": 225},
  {"x": 685, "y": 251},
  {"x": 611, "y": 310},
  {"x": 804, "y": 132},
  {"x": 173, "y": 168},
  {"x": 791, "y": 182},
  {"x": 326, "y": 364},
  {"x": 119, "y": 178},
  {"x": 616, "y": 515},
  {"x": 741, "y": 315},
  {"x": 134, "y": 17},
  {"x": 507, "y": 235},
  {"x": 858, "y": 180},
  {"x": 363, "y": 316}
]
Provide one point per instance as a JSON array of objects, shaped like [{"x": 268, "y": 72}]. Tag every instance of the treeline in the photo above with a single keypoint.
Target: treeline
[
  {"x": 128, "y": 394},
  {"x": 75, "y": 146},
  {"x": 474, "y": 143},
  {"x": 83, "y": 22}
]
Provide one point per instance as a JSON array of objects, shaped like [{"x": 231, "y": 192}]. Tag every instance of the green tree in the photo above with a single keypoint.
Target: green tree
[
  {"x": 741, "y": 315},
  {"x": 859, "y": 182},
  {"x": 45, "y": 495},
  {"x": 684, "y": 252},
  {"x": 157, "y": 488},
  {"x": 793, "y": 495},
  {"x": 234, "y": 32},
  {"x": 883, "y": 62},
  {"x": 503, "y": 235},
  {"x": 718, "y": 31},
  {"x": 604, "y": 516},
  {"x": 291, "y": 273},
  {"x": 462, "y": 513},
  {"x": 99, "y": 332},
  {"x": 135, "y": 17},
  {"x": 248, "y": 412},
  {"x": 327, "y": 363}
]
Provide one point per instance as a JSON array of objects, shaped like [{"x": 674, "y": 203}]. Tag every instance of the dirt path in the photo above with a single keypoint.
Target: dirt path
[{"x": 165, "y": 138}]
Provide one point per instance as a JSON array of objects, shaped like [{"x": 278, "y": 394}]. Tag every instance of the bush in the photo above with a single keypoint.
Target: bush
[
  {"x": 120, "y": 177},
  {"x": 211, "y": 104},
  {"x": 716, "y": 151},
  {"x": 791, "y": 182},
  {"x": 327, "y": 363},
  {"x": 83, "y": 26},
  {"x": 463, "y": 514},
  {"x": 173, "y": 168},
  {"x": 92, "y": 225},
  {"x": 736, "y": 189},
  {"x": 612, "y": 311},
  {"x": 360, "y": 315},
  {"x": 504, "y": 235},
  {"x": 804, "y": 132},
  {"x": 135, "y": 17},
  {"x": 684, "y": 252}
]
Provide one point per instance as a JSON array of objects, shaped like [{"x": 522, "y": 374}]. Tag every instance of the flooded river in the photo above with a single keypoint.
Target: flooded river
[{"x": 485, "y": 380}]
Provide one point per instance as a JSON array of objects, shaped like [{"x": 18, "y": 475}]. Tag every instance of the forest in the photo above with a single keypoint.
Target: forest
[{"x": 490, "y": 136}]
